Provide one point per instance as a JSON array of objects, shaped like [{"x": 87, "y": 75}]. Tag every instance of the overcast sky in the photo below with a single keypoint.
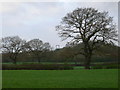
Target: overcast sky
[{"x": 38, "y": 19}]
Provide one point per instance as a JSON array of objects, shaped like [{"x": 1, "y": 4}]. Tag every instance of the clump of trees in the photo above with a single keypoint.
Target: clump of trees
[
  {"x": 37, "y": 47},
  {"x": 90, "y": 27},
  {"x": 13, "y": 46}
]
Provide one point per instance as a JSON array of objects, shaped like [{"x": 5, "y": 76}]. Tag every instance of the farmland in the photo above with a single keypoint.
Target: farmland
[
  {"x": 94, "y": 78},
  {"x": 34, "y": 57}
]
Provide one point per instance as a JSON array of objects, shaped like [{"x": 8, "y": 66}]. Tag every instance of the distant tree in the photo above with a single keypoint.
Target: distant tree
[
  {"x": 36, "y": 47},
  {"x": 90, "y": 27},
  {"x": 47, "y": 46},
  {"x": 13, "y": 46},
  {"x": 45, "y": 54}
]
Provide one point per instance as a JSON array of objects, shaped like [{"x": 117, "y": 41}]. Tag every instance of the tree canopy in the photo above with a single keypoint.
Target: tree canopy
[{"x": 89, "y": 26}]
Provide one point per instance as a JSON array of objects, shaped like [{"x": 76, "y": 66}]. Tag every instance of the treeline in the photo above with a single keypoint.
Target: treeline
[{"x": 14, "y": 50}]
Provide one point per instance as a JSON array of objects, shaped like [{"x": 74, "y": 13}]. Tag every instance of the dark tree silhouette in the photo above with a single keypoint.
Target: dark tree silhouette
[
  {"x": 35, "y": 46},
  {"x": 89, "y": 26},
  {"x": 13, "y": 46},
  {"x": 47, "y": 47}
]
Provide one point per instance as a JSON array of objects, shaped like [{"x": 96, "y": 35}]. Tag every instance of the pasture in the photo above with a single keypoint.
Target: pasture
[{"x": 94, "y": 78}]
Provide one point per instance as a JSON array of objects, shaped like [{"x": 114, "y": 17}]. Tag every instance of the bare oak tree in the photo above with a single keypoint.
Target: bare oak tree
[
  {"x": 47, "y": 46},
  {"x": 89, "y": 26},
  {"x": 36, "y": 47},
  {"x": 13, "y": 46}
]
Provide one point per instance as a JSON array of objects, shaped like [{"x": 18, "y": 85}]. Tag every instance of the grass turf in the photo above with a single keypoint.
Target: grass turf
[{"x": 97, "y": 78}]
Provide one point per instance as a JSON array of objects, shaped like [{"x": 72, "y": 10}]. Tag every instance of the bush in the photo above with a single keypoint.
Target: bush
[
  {"x": 108, "y": 66},
  {"x": 37, "y": 67},
  {"x": 96, "y": 67},
  {"x": 112, "y": 67}
]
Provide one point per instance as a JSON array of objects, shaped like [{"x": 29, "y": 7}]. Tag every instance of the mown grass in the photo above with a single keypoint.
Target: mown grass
[{"x": 97, "y": 78}]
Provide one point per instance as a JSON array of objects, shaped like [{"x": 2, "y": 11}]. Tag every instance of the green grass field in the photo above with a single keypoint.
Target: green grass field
[{"x": 99, "y": 78}]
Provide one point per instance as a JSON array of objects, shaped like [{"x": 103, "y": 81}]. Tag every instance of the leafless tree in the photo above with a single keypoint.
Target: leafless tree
[
  {"x": 89, "y": 26},
  {"x": 36, "y": 47},
  {"x": 47, "y": 46},
  {"x": 13, "y": 46}
]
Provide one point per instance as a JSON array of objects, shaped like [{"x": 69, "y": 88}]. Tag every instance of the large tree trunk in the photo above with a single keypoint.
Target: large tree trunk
[
  {"x": 14, "y": 61},
  {"x": 38, "y": 58},
  {"x": 87, "y": 62},
  {"x": 13, "y": 57},
  {"x": 88, "y": 54}
]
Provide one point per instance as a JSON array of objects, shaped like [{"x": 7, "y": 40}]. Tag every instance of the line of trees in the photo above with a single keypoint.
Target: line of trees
[
  {"x": 17, "y": 50},
  {"x": 86, "y": 26},
  {"x": 14, "y": 46}
]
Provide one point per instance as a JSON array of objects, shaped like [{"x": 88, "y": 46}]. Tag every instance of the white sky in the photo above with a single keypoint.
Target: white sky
[{"x": 31, "y": 20}]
